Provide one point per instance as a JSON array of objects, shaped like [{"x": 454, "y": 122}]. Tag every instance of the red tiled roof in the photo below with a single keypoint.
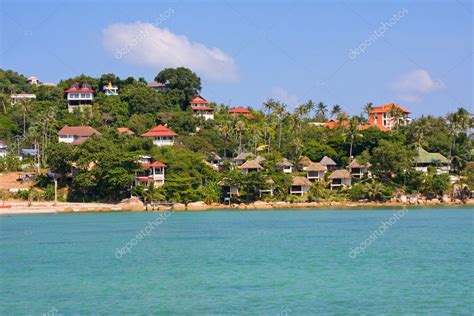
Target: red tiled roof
[
  {"x": 142, "y": 179},
  {"x": 81, "y": 131},
  {"x": 199, "y": 100},
  {"x": 387, "y": 108},
  {"x": 160, "y": 130},
  {"x": 153, "y": 164},
  {"x": 201, "y": 107},
  {"x": 79, "y": 90},
  {"x": 239, "y": 111}
]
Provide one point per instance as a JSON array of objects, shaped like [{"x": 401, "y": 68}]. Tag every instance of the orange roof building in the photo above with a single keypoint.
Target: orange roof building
[
  {"x": 381, "y": 116},
  {"x": 239, "y": 111}
]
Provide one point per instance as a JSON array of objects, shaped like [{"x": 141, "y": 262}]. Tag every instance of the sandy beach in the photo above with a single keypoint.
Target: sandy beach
[{"x": 15, "y": 207}]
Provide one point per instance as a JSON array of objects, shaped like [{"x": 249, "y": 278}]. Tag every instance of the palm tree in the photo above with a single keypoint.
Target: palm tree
[
  {"x": 368, "y": 109},
  {"x": 336, "y": 110},
  {"x": 396, "y": 114},
  {"x": 352, "y": 133},
  {"x": 225, "y": 130},
  {"x": 280, "y": 111},
  {"x": 240, "y": 127},
  {"x": 321, "y": 110},
  {"x": 373, "y": 190}
]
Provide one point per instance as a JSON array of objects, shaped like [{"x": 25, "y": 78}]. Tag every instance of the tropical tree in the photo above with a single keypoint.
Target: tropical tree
[
  {"x": 321, "y": 111},
  {"x": 336, "y": 110}
]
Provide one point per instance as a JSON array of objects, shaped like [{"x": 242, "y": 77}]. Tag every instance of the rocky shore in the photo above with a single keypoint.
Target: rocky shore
[{"x": 135, "y": 205}]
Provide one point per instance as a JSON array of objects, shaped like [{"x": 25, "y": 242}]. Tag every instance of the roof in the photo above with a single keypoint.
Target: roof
[
  {"x": 29, "y": 151},
  {"x": 199, "y": 100},
  {"x": 305, "y": 161},
  {"x": 153, "y": 164},
  {"x": 80, "y": 140},
  {"x": 239, "y": 111},
  {"x": 326, "y": 161},
  {"x": 23, "y": 95},
  {"x": 159, "y": 130},
  {"x": 251, "y": 164},
  {"x": 427, "y": 157},
  {"x": 125, "y": 130},
  {"x": 32, "y": 78},
  {"x": 76, "y": 88},
  {"x": 387, "y": 108},
  {"x": 81, "y": 131},
  {"x": 355, "y": 164},
  {"x": 259, "y": 159},
  {"x": 155, "y": 84},
  {"x": 340, "y": 174},
  {"x": 214, "y": 156},
  {"x": 285, "y": 163},
  {"x": 300, "y": 181},
  {"x": 3, "y": 144},
  {"x": 243, "y": 156},
  {"x": 316, "y": 166},
  {"x": 335, "y": 123},
  {"x": 201, "y": 107}
]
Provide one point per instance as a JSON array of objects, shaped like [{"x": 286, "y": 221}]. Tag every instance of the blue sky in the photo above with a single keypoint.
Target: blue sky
[{"x": 248, "y": 51}]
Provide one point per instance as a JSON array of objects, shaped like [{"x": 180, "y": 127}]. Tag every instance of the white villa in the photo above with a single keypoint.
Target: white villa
[
  {"x": 22, "y": 96},
  {"x": 285, "y": 166},
  {"x": 157, "y": 86},
  {"x": 250, "y": 166},
  {"x": 425, "y": 159},
  {"x": 152, "y": 173},
  {"x": 161, "y": 135},
  {"x": 79, "y": 96},
  {"x": 358, "y": 170},
  {"x": 200, "y": 107}
]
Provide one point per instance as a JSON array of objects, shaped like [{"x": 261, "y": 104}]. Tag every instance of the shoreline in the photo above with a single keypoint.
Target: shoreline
[{"x": 21, "y": 207}]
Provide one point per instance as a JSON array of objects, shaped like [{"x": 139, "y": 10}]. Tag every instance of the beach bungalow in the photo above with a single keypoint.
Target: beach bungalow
[
  {"x": 285, "y": 166},
  {"x": 340, "y": 178},
  {"x": 239, "y": 111},
  {"x": 150, "y": 174},
  {"x": 25, "y": 97},
  {"x": 315, "y": 171},
  {"x": 425, "y": 159},
  {"x": 242, "y": 157},
  {"x": 110, "y": 89},
  {"x": 76, "y": 135},
  {"x": 161, "y": 135},
  {"x": 303, "y": 163},
  {"x": 125, "y": 130},
  {"x": 157, "y": 86},
  {"x": 382, "y": 116},
  {"x": 228, "y": 190},
  {"x": 267, "y": 188},
  {"x": 328, "y": 163},
  {"x": 358, "y": 170},
  {"x": 79, "y": 97},
  {"x": 300, "y": 186},
  {"x": 201, "y": 108},
  {"x": 3, "y": 149},
  {"x": 250, "y": 166}
]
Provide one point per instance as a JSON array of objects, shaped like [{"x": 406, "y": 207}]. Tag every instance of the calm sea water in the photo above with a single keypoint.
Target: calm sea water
[{"x": 238, "y": 263}]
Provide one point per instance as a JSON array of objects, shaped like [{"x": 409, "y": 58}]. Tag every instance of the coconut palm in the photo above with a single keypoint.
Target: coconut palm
[
  {"x": 368, "y": 109},
  {"x": 336, "y": 110},
  {"x": 396, "y": 114},
  {"x": 373, "y": 190},
  {"x": 352, "y": 133},
  {"x": 321, "y": 110},
  {"x": 240, "y": 128}
]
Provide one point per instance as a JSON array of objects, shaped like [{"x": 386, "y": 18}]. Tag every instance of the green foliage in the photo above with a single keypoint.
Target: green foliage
[
  {"x": 182, "y": 82},
  {"x": 7, "y": 127},
  {"x": 211, "y": 192},
  {"x": 60, "y": 157},
  {"x": 10, "y": 163}
]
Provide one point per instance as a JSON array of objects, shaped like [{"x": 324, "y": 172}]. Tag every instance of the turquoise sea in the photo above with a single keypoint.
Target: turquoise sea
[{"x": 238, "y": 263}]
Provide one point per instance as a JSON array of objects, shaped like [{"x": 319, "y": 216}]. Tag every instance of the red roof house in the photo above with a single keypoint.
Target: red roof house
[
  {"x": 200, "y": 107},
  {"x": 239, "y": 111},
  {"x": 151, "y": 173},
  {"x": 162, "y": 135},
  {"x": 79, "y": 96}
]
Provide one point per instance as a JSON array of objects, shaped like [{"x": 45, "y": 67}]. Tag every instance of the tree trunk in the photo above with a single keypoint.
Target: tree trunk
[{"x": 55, "y": 191}]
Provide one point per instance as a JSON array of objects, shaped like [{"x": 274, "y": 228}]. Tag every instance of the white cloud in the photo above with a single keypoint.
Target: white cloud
[
  {"x": 282, "y": 95},
  {"x": 412, "y": 86},
  {"x": 150, "y": 45}
]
